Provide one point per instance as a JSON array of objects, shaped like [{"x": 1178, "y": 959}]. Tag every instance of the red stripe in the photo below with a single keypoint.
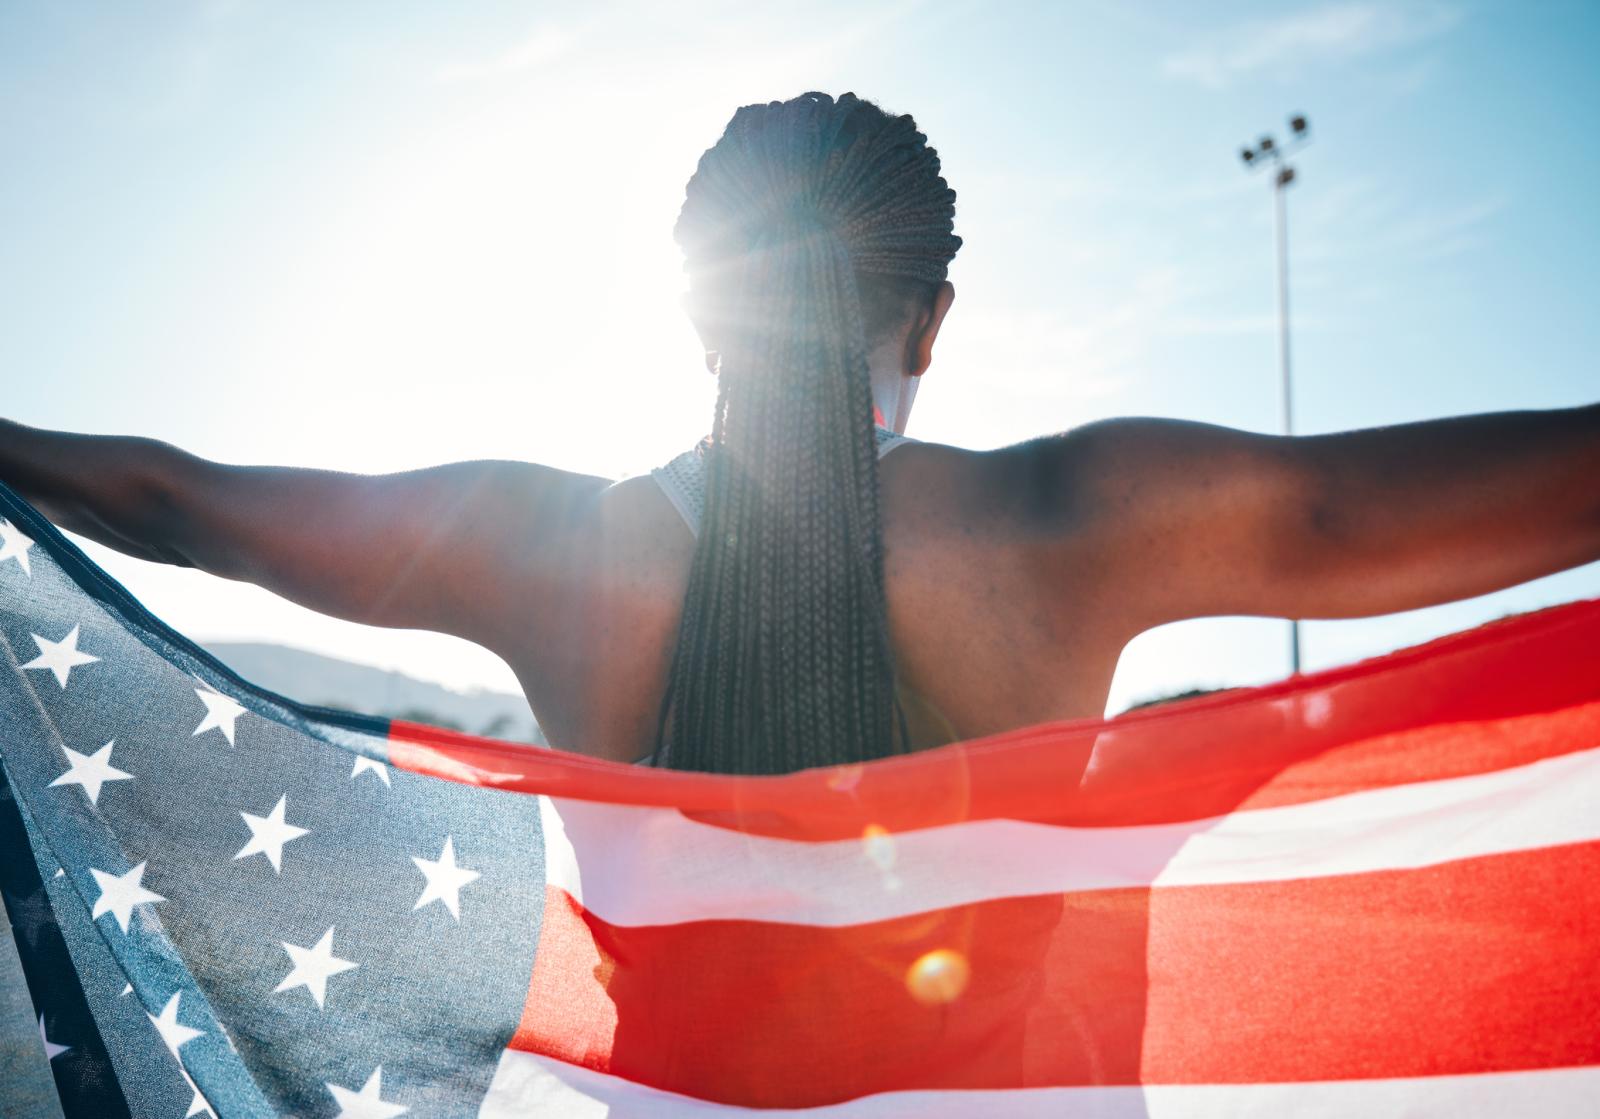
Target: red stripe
[
  {"x": 1480, "y": 965},
  {"x": 1431, "y": 753},
  {"x": 568, "y": 1012},
  {"x": 1205, "y": 758}
]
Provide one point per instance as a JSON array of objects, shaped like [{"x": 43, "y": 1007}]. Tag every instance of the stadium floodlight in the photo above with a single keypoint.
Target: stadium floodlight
[{"x": 1268, "y": 151}]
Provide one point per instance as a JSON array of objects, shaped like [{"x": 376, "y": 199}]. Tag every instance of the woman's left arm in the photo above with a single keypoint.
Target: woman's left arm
[{"x": 1205, "y": 520}]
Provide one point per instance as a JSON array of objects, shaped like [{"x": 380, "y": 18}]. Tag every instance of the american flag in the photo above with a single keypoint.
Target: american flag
[{"x": 1373, "y": 891}]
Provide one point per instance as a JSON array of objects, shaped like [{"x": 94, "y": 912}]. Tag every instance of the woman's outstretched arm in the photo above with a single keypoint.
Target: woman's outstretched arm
[
  {"x": 1200, "y": 520},
  {"x": 440, "y": 548}
]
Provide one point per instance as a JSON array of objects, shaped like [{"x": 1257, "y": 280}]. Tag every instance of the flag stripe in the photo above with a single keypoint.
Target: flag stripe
[
  {"x": 652, "y": 866},
  {"x": 1456, "y": 706},
  {"x": 526, "y": 1084},
  {"x": 1477, "y": 965}
]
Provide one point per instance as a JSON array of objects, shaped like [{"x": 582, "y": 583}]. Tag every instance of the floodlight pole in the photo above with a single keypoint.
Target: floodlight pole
[
  {"x": 1267, "y": 150},
  {"x": 1282, "y": 223}
]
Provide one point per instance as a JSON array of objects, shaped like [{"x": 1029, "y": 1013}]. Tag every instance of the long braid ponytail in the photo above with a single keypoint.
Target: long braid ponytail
[{"x": 783, "y": 658}]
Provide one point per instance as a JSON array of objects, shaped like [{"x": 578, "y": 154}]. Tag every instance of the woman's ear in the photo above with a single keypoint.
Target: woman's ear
[
  {"x": 925, "y": 328},
  {"x": 691, "y": 308}
]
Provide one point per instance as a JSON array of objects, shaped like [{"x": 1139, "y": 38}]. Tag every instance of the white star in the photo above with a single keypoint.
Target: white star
[
  {"x": 198, "y": 1103},
  {"x": 118, "y": 895},
  {"x": 51, "y": 1049},
  {"x": 445, "y": 879},
  {"x": 172, "y": 1031},
  {"x": 364, "y": 763},
  {"x": 221, "y": 713},
  {"x": 312, "y": 967},
  {"x": 367, "y": 1103},
  {"x": 14, "y": 545},
  {"x": 60, "y": 657},
  {"x": 268, "y": 834},
  {"x": 91, "y": 770}
]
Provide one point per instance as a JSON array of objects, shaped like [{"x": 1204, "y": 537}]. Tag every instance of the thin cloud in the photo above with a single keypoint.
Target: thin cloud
[
  {"x": 1227, "y": 325},
  {"x": 1367, "y": 219},
  {"x": 1336, "y": 32},
  {"x": 1083, "y": 356},
  {"x": 545, "y": 45},
  {"x": 1442, "y": 232}
]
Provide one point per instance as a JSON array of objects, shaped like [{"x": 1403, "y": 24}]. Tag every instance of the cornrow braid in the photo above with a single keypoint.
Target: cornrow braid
[{"x": 783, "y": 658}]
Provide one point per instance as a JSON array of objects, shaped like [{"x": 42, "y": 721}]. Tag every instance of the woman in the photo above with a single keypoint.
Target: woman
[{"x": 780, "y": 597}]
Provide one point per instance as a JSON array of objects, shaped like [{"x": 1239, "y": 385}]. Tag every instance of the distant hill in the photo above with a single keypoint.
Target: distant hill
[{"x": 331, "y": 682}]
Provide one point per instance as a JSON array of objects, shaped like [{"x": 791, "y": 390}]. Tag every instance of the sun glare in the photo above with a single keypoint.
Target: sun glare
[{"x": 521, "y": 280}]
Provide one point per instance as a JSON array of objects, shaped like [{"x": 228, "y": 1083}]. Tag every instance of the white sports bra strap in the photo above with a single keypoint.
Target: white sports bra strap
[{"x": 683, "y": 479}]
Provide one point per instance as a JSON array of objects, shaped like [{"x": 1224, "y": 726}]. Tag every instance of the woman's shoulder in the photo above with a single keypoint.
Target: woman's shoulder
[
  {"x": 1024, "y": 488},
  {"x": 1027, "y": 486}
]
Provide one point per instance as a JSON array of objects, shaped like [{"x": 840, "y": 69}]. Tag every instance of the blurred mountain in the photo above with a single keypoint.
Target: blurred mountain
[{"x": 331, "y": 682}]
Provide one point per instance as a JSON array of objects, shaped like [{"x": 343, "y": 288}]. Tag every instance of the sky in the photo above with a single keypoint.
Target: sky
[{"x": 375, "y": 236}]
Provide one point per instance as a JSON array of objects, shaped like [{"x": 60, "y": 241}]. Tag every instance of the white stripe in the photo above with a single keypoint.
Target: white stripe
[
  {"x": 653, "y": 866},
  {"x": 526, "y": 1085},
  {"x": 560, "y": 860}
]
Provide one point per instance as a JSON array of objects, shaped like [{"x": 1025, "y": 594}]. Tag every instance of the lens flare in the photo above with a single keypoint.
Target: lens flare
[
  {"x": 845, "y": 778},
  {"x": 938, "y": 977},
  {"x": 879, "y": 845}
]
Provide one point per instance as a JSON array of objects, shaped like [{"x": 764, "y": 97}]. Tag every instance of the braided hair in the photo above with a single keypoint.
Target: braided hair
[{"x": 807, "y": 229}]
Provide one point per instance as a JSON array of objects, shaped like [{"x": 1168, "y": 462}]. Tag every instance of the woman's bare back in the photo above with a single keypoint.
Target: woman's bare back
[{"x": 980, "y": 642}]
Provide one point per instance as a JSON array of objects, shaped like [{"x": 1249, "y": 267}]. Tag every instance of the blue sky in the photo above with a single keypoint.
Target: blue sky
[{"x": 374, "y": 236}]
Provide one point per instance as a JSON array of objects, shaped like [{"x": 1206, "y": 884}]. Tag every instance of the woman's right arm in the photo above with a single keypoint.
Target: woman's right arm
[
  {"x": 117, "y": 490},
  {"x": 443, "y": 548}
]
